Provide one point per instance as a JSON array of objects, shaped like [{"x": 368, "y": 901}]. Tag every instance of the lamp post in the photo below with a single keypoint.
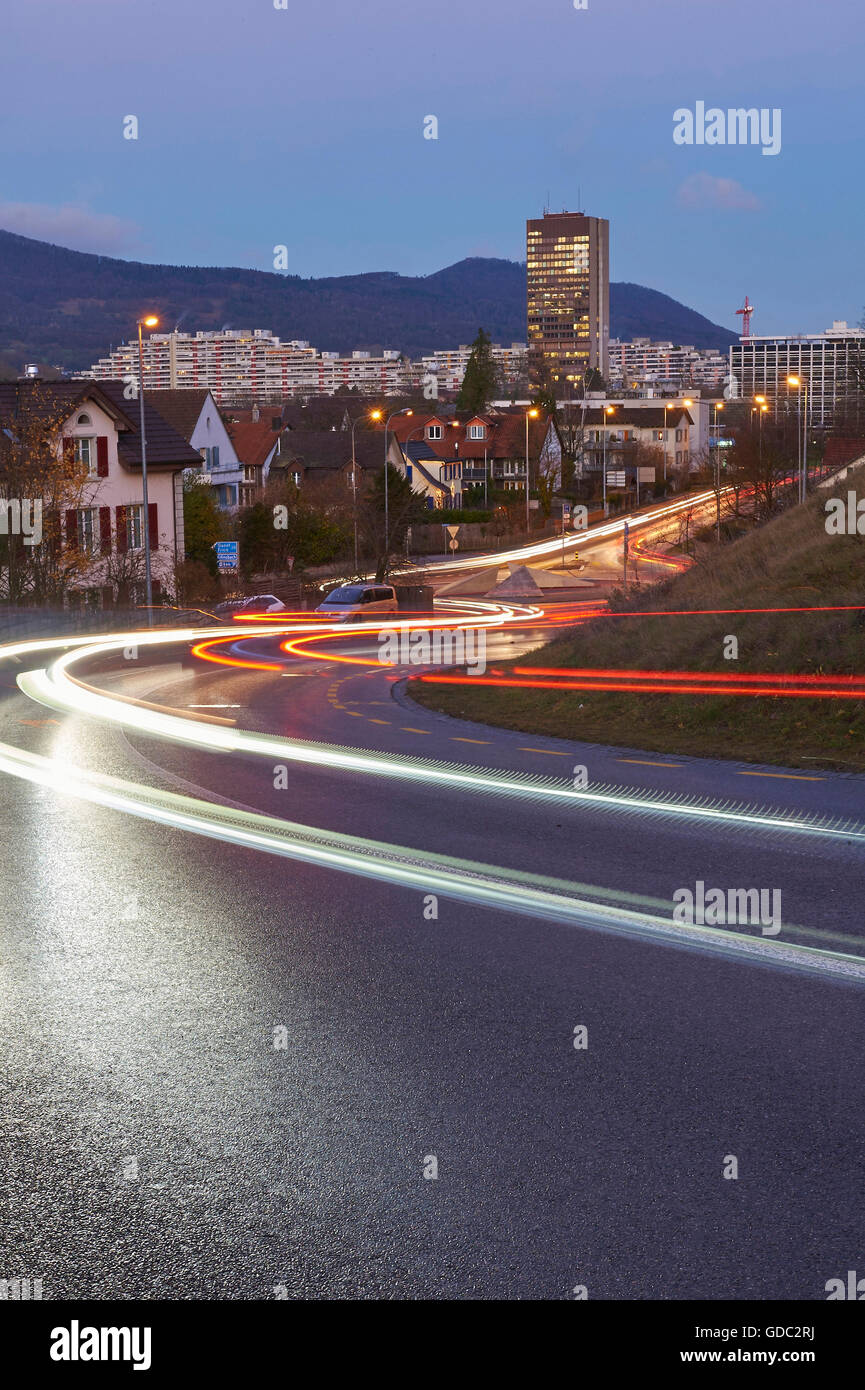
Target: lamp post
[
  {"x": 530, "y": 415},
  {"x": 149, "y": 321},
  {"x": 377, "y": 415},
  {"x": 374, "y": 415},
  {"x": 608, "y": 410},
  {"x": 717, "y": 406},
  {"x": 801, "y": 385},
  {"x": 666, "y": 408}
]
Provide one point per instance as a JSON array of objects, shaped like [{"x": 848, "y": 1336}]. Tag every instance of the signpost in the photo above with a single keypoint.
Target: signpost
[
  {"x": 226, "y": 556},
  {"x": 453, "y": 543}
]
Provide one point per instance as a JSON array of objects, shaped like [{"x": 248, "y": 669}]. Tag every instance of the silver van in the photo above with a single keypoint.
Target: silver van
[{"x": 353, "y": 603}]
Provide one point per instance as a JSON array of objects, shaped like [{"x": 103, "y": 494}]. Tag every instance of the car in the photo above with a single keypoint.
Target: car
[
  {"x": 354, "y": 603},
  {"x": 255, "y": 603}
]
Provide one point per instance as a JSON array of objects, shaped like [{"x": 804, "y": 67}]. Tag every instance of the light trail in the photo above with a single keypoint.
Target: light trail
[
  {"x": 480, "y": 884},
  {"x": 58, "y": 690}
]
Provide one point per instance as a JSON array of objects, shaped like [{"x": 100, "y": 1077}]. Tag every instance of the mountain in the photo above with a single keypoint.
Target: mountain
[{"x": 67, "y": 308}]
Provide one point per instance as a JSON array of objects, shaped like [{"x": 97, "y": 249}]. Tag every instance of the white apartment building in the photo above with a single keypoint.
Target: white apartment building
[
  {"x": 448, "y": 366},
  {"x": 236, "y": 364},
  {"x": 644, "y": 363},
  {"x": 832, "y": 363}
]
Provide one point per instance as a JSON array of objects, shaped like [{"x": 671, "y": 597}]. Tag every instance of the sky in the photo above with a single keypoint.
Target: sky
[{"x": 304, "y": 127}]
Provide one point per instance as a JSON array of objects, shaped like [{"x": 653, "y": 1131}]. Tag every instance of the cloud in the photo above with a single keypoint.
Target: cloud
[
  {"x": 705, "y": 191},
  {"x": 71, "y": 225}
]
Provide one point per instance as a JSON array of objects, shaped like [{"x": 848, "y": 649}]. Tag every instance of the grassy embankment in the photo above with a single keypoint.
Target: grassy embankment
[{"x": 791, "y": 562}]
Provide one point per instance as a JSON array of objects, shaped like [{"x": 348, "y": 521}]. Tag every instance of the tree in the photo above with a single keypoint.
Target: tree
[
  {"x": 39, "y": 471},
  {"x": 405, "y": 508},
  {"x": 203, "y": 523},
  {"x": 481, "y": 380}
]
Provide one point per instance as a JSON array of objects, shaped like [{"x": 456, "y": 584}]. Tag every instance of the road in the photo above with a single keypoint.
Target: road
[{"x": 164, "y": 1141}]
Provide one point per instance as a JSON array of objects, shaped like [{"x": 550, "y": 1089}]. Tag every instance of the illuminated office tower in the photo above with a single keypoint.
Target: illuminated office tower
[{"x": 568, "y": 297}]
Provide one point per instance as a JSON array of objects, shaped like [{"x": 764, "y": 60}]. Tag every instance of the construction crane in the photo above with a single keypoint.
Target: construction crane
[{"x": 746, "y": 313}]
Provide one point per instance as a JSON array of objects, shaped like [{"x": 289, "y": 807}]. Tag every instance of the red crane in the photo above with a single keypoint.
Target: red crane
[{"x": 746, "y": 313}]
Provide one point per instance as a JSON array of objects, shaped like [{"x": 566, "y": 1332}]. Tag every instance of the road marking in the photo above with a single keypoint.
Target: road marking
[
  {"x": 352, "y": 714},
  {"x": 378, "y": 721},
  {"x": 787, "y": 776},
  {"x": 407, "y": 730},
  {"x": 643, "y": 762},
  {"x": 39, "y": 723},
  {"x": 457, "y": 739},
  {"x": 550, "y": 752},
  {"x": 214, "y": 706}
]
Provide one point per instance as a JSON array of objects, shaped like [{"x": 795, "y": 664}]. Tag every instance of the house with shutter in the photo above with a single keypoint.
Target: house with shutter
[
  {"x": 194, "y": 415},
  {"x": 95, "y": 428},
  {"x": 442, "y": 455}
]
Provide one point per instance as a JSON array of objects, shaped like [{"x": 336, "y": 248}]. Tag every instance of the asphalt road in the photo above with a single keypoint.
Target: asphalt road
[{"x": 157, "y": 1144}]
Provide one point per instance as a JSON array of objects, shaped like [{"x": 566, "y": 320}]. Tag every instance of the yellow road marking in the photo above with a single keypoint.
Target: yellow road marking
[
  {"x": 378, "y": 721},
  {"x": 643, "y": 762},
  {"x": 787, "y": 776},
  {"x": 456, "y": 739},
  {"x": 407, "y": 730},
  {"x": 550, "y": 752},
  {"x": 353, "y": 714}
]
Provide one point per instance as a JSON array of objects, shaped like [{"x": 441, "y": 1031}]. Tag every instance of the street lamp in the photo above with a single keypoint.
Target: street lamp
[
  {"x": 800, "y": 384},
  {"x": 373, "y": 415},
  {"x": 530, "y": 414},
  {"x": 608, "y": 410},
  {"x": 717, "y": 405},
  {"x": 149, "y": 321},
  {"x": 377, "y": 416},
  {"x": 666, "y": 408}
]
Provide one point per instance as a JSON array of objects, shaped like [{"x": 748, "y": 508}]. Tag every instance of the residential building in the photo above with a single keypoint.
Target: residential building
[
  {"x": 448, "y": 366},
  {"x": 256, "y": 435},
  {"x": 832, "y": 363},
  {"x": 568, "y": 296},
  {"x": 628, "y": 434},
  {"x": 237, "y": 365},
  {"x": 642, "y": 363},
  {"x": 194, "y": 414},
  {"x": 98, "y": 429},
  {"x": 443, "y": 456}
]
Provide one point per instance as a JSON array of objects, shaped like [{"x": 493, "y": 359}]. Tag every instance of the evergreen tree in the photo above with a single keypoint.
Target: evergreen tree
[{"x": 481, "y": 379}]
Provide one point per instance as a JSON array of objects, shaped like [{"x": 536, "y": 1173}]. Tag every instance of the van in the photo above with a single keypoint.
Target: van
[{"x": 353, "y": 603}]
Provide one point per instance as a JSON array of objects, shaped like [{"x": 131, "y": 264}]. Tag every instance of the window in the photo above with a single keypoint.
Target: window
[
  {"x": 83, "y": 420},
  {"x": 295, "y": 478},
  {"x": 85, "y": 454},
  {"x": 88, "y": 529},
  {"x": 408, "y": 472},
  {"x": 433, "y": 431},
  {"x": 133, "y": 527},
  {"x": 477, "y": 432}
]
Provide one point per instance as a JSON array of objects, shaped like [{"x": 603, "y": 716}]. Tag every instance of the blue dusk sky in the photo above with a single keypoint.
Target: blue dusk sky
[{"x": 304, "y": 127}]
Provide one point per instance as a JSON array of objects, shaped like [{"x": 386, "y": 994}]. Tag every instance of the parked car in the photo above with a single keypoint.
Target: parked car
[
  {"x": 354, "y": 603},
  {"x": 256, "y": 603}
]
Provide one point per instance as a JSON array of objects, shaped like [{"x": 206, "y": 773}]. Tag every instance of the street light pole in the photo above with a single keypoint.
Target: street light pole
[
  {"x": 529, "y": 414},
  {"x": 150, "y": 322},
  {"x": 608, "y": 410},
  {"x": 354, "y": 424},
  {"x": 404, "y": 411}
]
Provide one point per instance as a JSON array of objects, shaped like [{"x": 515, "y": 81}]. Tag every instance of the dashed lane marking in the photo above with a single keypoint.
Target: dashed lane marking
[
  {"x": 644, "y": 762},
  {"x": 787, "y": 776}
]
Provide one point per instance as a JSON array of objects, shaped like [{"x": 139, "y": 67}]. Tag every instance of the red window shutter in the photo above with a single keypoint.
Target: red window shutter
[
  {"x": 71, "y": 529},
  {"x": 120, "y": 526},
  {"x": 102, "y": 456},
  {"x": 105, "y": 530},
  {"x": 69, "y": 452},
  {"x": 153, "y": 524}
]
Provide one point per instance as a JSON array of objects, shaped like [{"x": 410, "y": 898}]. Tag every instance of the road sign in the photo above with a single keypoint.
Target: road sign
[
  {"x": 615, "y": 479},
  {"x": 226, "y": 555},
  {"x": 453, "y": 530}
]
